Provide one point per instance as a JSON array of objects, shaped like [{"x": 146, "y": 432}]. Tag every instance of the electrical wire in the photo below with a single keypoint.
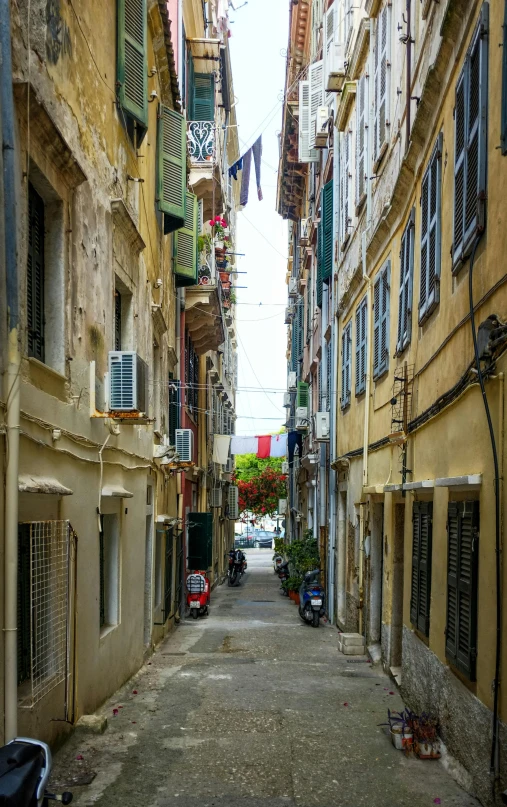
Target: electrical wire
[{"x": 263, "y": 236}]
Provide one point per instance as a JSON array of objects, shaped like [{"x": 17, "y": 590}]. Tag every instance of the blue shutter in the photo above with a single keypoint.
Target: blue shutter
[
  {"x": 431, "y": 220},
  {"x": 361, "y": 334},
  {"x": 376, "y": 326},
  {"x": 381, "y": 320},
  {"x": 470, "y": 143},
  {"x": 327, "y": 230},
  {"x": 405, "y": 293}
]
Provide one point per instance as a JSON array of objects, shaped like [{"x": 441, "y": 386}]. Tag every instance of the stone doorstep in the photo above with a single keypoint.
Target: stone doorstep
[
  {"x": 95, "y": 724},
  {"x": 351, "y": 639},
  {"x": 351, "y": 650}
]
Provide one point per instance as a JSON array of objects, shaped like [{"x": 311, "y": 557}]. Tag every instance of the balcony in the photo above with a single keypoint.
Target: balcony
[
  {"x": 204, "y": 309},
  {"x": 204, "y": 151},
  {"x": 201, "y": 142}
]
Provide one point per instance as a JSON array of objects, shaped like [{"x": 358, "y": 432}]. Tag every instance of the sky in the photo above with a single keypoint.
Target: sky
[{"x": 259, "y": 35}]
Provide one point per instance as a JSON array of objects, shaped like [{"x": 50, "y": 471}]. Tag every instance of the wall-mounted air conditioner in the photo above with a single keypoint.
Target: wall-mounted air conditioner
[
  {"x": 185, "y": 444},
  {"x": 322, "y": 127},
  {"x": 335, "y": 69},
  {"x": 215, "y": 498},
  {"x": 293, "y": 288},
  {"x": 286, "y": 400},
  {"x": 229, "y": 466},
  {"x": 292, "y": 380},
  {"x": 322, "y": 426},
  {"x": 233, "y": 501},
  {"x": 128, "y": 374},
  {"x": 285, "y": 470},
  {"x": 289, "y": 314},
  {"x": 282, "y": 506},
  {"x": 304, "y": 237},
  {"x": 301, "y": 418}
]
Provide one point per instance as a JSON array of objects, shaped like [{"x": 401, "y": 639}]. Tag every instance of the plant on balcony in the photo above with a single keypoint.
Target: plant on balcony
[
  {"x": 204, "y": 243},
  {"x": 232, "y": 298},
  {"x": 218, "y": 227}
]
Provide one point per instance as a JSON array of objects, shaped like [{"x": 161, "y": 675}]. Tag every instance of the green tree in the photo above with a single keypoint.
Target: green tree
[{"x": 248, "y": 466}]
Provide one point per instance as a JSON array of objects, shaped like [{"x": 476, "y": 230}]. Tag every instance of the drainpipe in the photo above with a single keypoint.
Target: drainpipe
[
  {"x": 409, "y": 76},
  {"x": 12, "y": 382}
]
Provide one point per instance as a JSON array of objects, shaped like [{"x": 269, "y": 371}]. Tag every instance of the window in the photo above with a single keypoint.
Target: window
[
  {"x": 191, "y": 377},
  {"x": 157, "y": 592},
  {"x": 470, "y": 125},
  {"x": 123, "y": 317},
  {"x": 406, "y": 280},
  {"x": 174, "y": 408},
  {"x": 462, "y": 576},
  {"x": 168, "y": 574},
  {"x": 35, "y": 275},
  {"x": 303, "y": 395},
  {"x": 117, "y": 320},
  {"x": 346, "y": 364},
  {"x": 329, "y": 367},
  {"x": 172, "y": 169},
  {"x": 361, "y": 141},
  {"x": 381, "y": 321},
  {"x": 157, "y": 389},
  {"x": 109, "y": 570},
  {"x": 422, "y": 527},
  {"x": 132, "y": 65},
  {"x": 381, "y": 83},
  {"x": 200, "y": 94},
  {"x": 345, "y": 187},
  {"x": 431, "y": 219},
  {"x": 321, "y": 393},
  {"x": 327, "y": 230},
  {"x": 185, "y": 245},
  {"x": 361, "y": 345}
]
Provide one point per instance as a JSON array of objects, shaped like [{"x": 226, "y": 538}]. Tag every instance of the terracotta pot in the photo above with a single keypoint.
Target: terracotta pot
[
  {"x": 225, "y": 277},
  {"x": 296, "y": 598},
  {"x": 429, "y": 750}
]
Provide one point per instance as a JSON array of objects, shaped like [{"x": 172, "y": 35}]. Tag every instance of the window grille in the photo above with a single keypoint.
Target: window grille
[{"x": 44, "y": 582}]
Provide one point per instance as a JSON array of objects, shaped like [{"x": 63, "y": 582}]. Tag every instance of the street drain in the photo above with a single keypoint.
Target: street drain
[{"x": 174, "y": 654}]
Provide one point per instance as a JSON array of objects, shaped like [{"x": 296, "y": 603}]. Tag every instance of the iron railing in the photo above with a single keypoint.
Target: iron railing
[{"x": 201, "y": 141}]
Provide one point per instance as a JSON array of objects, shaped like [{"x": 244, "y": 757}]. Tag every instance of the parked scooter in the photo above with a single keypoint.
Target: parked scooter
[
  {"x": 25, "y": 766},
  {"x": 277, "y": 562},
  {"x": 283, "y": 574},
  {"x": 237, "y": 566},
  {"x": 311, "y": 599},
  {"x": 198, "y": 597}
]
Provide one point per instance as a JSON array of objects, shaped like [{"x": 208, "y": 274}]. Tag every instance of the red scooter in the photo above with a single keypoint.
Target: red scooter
[{"x": 198, "y": 595}]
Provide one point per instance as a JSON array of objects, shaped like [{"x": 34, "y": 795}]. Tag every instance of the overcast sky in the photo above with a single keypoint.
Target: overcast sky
[{"x": 258, "y": 46}]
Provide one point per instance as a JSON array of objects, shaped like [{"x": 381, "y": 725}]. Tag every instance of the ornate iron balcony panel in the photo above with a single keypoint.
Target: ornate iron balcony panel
[{"x": 201, "y": 141}]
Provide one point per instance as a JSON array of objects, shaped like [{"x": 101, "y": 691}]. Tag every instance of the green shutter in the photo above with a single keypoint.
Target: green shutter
[
  {"x": 319, "y": 264},
  {"x": 327, "y": 230},
  {"x": 35, "y": 275},
  {"x": 185, "y": 262},
  {"x": 132, "y": 67},
  {"x": 171, "y": 166},
  {"x": 174, "y": 408},
  {"x": 422, "y": 533},
  {"x": 203, "y": 97},
  {"x": 302, "y": 394},
  {"x": 200, "y": 541}
]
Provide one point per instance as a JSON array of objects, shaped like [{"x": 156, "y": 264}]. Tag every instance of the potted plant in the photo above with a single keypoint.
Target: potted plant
[
  {"x": 400, "y": 728},
  {"x": 218, "y": 227},
  {"x": 426, "y": 740},
  {"x": 204, "y": 243}
]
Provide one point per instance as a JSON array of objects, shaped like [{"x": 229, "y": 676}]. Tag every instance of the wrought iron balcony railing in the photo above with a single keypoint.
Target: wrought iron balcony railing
[{"x": 201, "y": 141}]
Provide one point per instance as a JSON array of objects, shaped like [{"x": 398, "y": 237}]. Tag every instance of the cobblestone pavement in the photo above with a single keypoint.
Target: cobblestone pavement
[{"x": 251, "y": 708}]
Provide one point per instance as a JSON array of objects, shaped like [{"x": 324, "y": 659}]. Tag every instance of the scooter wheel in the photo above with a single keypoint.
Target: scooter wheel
[
  {"x": 316, "y": 619},
  {"x": 194, "y": 613}
]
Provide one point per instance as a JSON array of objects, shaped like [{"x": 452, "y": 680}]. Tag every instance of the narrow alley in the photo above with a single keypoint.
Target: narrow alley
[{"x": 250, "y": 707}]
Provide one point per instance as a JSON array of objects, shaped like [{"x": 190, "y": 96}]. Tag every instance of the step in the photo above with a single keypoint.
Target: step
[
  {"x": 351, "y": 650},
  {"x": 351, "y": 639}
]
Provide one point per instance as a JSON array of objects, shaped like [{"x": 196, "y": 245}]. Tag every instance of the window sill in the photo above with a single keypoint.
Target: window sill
[
  {"x": 46, "y": 379},
  {"x": 106, "y": 630},
  {"x": 378, "y": 161},
  {"x": 359, "y": 205},
  {"x": 424, "y": 639}
]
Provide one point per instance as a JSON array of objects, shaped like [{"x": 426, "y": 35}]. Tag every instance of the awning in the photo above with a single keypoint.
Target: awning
[
  {"x": 28, "y": 483},
  {"x": 116, "y": 492},
  {"x": 165, "y": 519}
]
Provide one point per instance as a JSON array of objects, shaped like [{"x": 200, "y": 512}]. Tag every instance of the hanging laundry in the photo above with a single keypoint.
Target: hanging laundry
[
  {"x": 244, "y": 445},
  {"x": 264, "y": 447},
  {"x": 238, "y": 166},
  {"x": 221, "y": 444},
  {"x": 294, "y": 439},
  {"x": 278, "y": 445},
  {"x": 257, "y": 154},
  {"x": 245, "y": 178}
]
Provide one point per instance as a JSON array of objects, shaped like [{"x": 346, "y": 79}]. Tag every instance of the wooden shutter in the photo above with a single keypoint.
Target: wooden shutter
[
  {"x": 346, "y": 364},
  {"x": 35, "y": 275},
  {"x": 185, "y": 264},
  {"x": 345, "y": 186},
  {"x": 24, "y": 605},
  {"x": 174, "y": 408},
  {"x": 168, "y": 574},
  {"x": 203, "y": 97},
  {"x": 320, "y": 389},
  {"x": 303, "y": 396},
  {"x": 132, "y": 67},
  {"x": 361, "y": 133},
  {"x": 327, "y": 230},
  {"x": 503, "y": 121},
  {"x": 405, "y": 293},
  {"x": 200, "y": 541},
  {"x": 329, "y": 25},
  {"x": 361, "y": 334},
  {"x": 102, "y": 576},
  {"x": 171, "y": 166},
  {"x": 431, "y": 233},
  {"x": 422, "y": 526},
  {"x": 320, "y": 251},
  {"x": 381, "y": 290},
  {"x": 305, "y": 154},
  {"x": 381, "y": 81},
  {"x": 316, "y": 77},
  {"x": 299, "y": 327},
  {"x": 470, "y": 132},
  {"x": 462, "y": 576},
  {"x": 117, "y": 320}
]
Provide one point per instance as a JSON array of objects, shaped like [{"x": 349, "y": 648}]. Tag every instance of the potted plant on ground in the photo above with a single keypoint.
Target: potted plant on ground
[
  {"x": 425, "y": 731},
  {"x": 400, "y": 728}
]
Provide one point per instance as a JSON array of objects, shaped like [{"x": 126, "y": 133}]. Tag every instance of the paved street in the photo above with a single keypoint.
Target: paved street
[{"x": 251, "y": 707}]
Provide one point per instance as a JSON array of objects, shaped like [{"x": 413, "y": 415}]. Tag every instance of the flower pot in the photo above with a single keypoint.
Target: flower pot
[
  {"x": 219, "y": 245},
  {"x": 296, "y": 598},
  {"x": 401, "y": 738},
  {"x": 225, "y": 277},
  {"x": 429, "y": 750}
]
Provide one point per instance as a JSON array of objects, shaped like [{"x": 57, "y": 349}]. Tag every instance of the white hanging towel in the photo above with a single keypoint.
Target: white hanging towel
[
  {"x": 278, "y": 445},
  {"x": 244, "y": 445},
  {"x": 221, "y": 443}
]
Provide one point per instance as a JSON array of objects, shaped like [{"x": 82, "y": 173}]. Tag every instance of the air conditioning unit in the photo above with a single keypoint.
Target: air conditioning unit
[
  {"x": 286, "y": 400},
  {"x": 285, "y": 470},
  {"x": 292, "y": 380},
  {"x": 229, "y": 466},
  {"x": 322, "y": 426},
  {"x": 335, "y": 73},
  {"x": 289, "y": 314},
  {"x": 293, "y": 288},
  {"x": 282, "y": 506},
  {"x": 301, "y": 418},
  {"x": 233, "y": 500},
  {"x": 322, "y": 127},
  {"x": 127, "y": 382},
  {"x": 185, "y": 444},
  {"x": 215, "y": 498},
  {"x": 304, "y": 240}
]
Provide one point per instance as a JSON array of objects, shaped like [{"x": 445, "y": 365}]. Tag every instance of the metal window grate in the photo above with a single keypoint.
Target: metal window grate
[{"x": 50, "y": 553}]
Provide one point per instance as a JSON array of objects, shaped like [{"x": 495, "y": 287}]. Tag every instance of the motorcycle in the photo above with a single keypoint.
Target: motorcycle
[
  {"x": 277, "y": 561},
  {"x": 237, "y": 567},
  {"x": 283, "y": 574},
  {"x": 198, "y": 597},
  {"x": 311, "y": 599},
  {"x": 25, "y": 767}
]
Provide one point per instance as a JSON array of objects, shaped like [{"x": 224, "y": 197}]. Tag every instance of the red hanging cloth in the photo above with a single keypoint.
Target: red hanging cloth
[{"x": 264, "y": 447}]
